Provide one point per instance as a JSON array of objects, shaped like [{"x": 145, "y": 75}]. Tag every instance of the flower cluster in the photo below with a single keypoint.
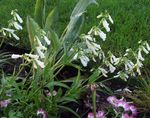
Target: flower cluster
[
  {"x": 14, "y": 25},
  {"x": 127, "y": 107},
  {"x": 89, "y": 46},
  {"x": 40, "y": 48},
  {"x": 99, "y": 114},
  {"x": 90, "y": 50}
]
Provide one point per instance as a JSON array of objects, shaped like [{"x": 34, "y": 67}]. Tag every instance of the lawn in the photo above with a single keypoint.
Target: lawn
[{"x": 131, "y": 18}]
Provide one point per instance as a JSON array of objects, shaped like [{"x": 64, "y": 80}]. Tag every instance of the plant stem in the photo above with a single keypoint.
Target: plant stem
[{"x": 94, "y": 102}]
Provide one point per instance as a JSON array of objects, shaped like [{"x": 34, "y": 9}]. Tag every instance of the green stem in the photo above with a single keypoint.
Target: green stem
[{"x": 94, "y": 102}]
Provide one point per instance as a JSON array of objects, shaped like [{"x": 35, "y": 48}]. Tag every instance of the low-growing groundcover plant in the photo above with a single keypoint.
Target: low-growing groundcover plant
[{"x": 41, "y": 92}]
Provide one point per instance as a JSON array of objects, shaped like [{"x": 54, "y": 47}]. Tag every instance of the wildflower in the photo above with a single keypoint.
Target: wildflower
[
  {"x": 40, "y": 63},
  {"x": 47, "y": 40},
  {"x": 110, "y": 19},
  {"x": 147, "y": 46},
  {"x": 125, "y": 115},
  {"x": 99, "y": 114},
  {"x": 17, "y": 25},
  {"x": 99, "y": 32},
  {"x": 106, "y": 25},
  {"x": 145, "y": 50},
  {"x": 104, "y": 72},
  {"x": 84, "y": 60},
  {"x": 111, "y": 68},
  {"x": 4, "y": 103},
  {"x": 140, "y": 55},
  {"x": 11, "y": 33},
  {"x": 42, "y": 112},
  {"x": 16, "y": 56},
  {"x": 16, "y": 16},
  {"x": 122, "y": 75}
]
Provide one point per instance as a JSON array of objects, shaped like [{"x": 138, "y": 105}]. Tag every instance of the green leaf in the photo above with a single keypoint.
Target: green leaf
[
  {"x": 81, "y": 7},
  {"x": 50, "y": 19},
  {"x": 93, "y": 77},
  {"x": 51, "y": 84},
  {"x": 76, "y": 22},
  {"x": 32, "y": 28},
  {"x": 39, "y": 13}
]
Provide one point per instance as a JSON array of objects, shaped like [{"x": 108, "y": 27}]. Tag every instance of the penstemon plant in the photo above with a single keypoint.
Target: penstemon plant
[{"x": 41, "y": 92}]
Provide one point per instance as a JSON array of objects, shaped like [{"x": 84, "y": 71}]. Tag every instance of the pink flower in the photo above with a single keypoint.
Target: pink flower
[
  {"x": 112, "y": 100},
  {"x": 99, "y": 114},
  {"x": 41, "y": 111},
  {"x": 124, "y": 105},
  {"x": 4, "y": 103},
  {"x": 133, "y": 110}
]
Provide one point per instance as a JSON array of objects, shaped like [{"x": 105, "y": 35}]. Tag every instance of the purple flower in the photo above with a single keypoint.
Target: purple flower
[
  {"x": 4, "y": 103},
  {"x": 125, "y": 115},
  {"x": 99, "y": 114},
  {"x": 41, "y": 111},
  {"x": 133, "y": 109}
]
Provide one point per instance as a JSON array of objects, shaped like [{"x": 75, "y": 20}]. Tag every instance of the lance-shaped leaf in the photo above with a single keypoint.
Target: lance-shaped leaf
[
  {"x": 76, "y": 21},
  {"x": 32, "y": 27},
  {"x": 39, "y": 13},
  {"x": 50, "y": 19}
]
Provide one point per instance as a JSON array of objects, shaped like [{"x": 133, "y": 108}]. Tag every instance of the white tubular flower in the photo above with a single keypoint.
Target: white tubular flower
[
  {"x": 17, "y": 26},
  {"x": 15, "y": 36},
  {"x": 122, "y": 75},
  {"x": 110, "y": 19},
  {"x": 16, "y": 56},
  {"x": 40, "y": 63},
  {"x": 19, "y": 18},
  {"x": 104, "y": 72},
  {"x": 11, "y": 33},
  {"x": 139, "y": 63},
  {"x": 129, "y": 65},
  {"x": 106, "y": 25},
  {"x": 99, "y": 32},
  {"x": 111, "y": 68},
  {"x": 41, "y": 54},
  {"x": 147, "y": 46},
  {"x": 140, "y": 55},
  {"x": 138, "y": 70},
  {"x": 47, "y": 40},
  {"x": 145, "y": 50},
  {"x": 75, "y": 56},
  {"x": 102, "y": 35},
  {"x": 84, "y": 60},
  {"x": 88, "y": 37},
  {"x": 32, "y": 56}
]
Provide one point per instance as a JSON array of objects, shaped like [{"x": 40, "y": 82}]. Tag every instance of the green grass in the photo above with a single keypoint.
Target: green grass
[{"x": 131, "y": 17}]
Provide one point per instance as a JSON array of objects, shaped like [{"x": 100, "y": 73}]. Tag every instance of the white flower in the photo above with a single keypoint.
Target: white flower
[
  {"x": 140, "y": 55},
  {"x": 40, "y": 63},
  {"x": 144, "y": 49},
  {"x": 139, "y": 63},
  {"x": 147, "y": 46},
  {"x": 84, "y": 60},
  {"x": 110, "y": 19},
  {"x": 32, "y": 56},
  {"x": 102, "y": 35},
  {"x": 19, "y": 18},
  {"x": 41, "y": 54},
  {"x": 75, "y": 56},
  {"x": 47, "y": 40},
  {"x": 104, "y": 72},
  {"x": 106, "y": 25},
  {"x": 16, "y": 56},
  {"x": 17, "y": 26},
  {"x": 111, "y": 68}
]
